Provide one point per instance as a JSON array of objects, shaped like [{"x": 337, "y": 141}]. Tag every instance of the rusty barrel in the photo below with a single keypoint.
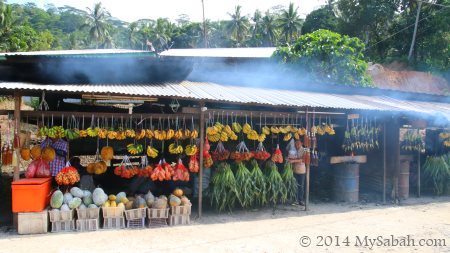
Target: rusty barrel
[
  {"x": 346, "y": 182},
  {"x": 403, "y": 180}
]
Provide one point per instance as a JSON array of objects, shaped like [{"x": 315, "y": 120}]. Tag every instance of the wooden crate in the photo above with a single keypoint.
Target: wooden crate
[
  {"x": 134, "y": 214},
  {"x": 58, "y": 215},
  {"x": 175, "y": 220},
  {"x": 112, "y": 212},
  {"x": 87, "y": 225},
  {"x": 88, "y": 213},
  {"x": 63, "y": 226},
  {"x": 181, "y": 210},
  {"x": 114, "y": 223},
  {"x": 32, "y": 223},
  {"x": 158, "y": 213}
]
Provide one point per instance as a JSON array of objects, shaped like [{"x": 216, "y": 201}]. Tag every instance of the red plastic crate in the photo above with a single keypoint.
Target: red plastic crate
[{"x": 30, "y": 194}]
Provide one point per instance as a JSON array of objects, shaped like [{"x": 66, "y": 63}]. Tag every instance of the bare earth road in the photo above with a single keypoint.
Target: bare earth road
[{"x": 343, "y": 227}]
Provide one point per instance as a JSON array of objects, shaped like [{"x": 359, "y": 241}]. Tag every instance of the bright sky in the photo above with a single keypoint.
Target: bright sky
[{"x": 132, "y": 10}]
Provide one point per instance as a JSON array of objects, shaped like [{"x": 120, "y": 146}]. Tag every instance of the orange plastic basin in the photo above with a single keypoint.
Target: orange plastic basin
[{"x": 30, "y": 194}]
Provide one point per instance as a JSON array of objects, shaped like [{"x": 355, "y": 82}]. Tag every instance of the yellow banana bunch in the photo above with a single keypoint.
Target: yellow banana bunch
[
  {"x": 149, "y": 133},
  {"x": 130, "y": 133},
  {"x": 314, "y": 130},
  {"x": 134, "y": 149},
  {"x": 246, "y": 128},
  {"x": 284, "y": 130},
  {"x": 218, "y": 126},
  {"x": 175, "y": 149},
  {"x": 194, "y": 134},
  {"x": 92, "y": 132},
  {"x": 140, "y": 135},
  {"x": 262, "y": 137},
  {"x": 275, "y": 130},
  {"x": 178, "y": 135},
  {"x": 252, "y": 135},
  {"x": 265, "y": 130},
  {"x": 152, "y": 152},
  {"x": 214, "y": 137},
  {"x": 233, "y": 137},
  {"x": 294, "y": 130},
  {"x": 190, "y": 150},
  {"x": 121, "y": 135},
  {"x": 297, "y": 136},
  {"x": 112, "y": 135},
  {"x": 223, "y": 136},
  {"x": 102, "y": 133},
  {"x": 237, "y": 128},
  {"x": 301, "y": 131},
  {"x": 227, "y": 129},
  {"x": 211, "y": 130},
  {"x": 287, "y": 136},
  {"x": 320, "y": 130},
  {"x": 83, "y": 133},
  {"x": 169, "y": 134},
  {"x": 186, "y": 134}
]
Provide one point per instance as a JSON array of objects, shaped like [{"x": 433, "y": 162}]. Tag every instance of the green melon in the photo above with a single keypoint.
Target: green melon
[{"x": 57, "y": 199}]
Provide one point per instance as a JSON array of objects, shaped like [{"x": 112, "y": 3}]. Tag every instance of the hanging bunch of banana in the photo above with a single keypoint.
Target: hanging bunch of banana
[{"x": 175, "y": 149}]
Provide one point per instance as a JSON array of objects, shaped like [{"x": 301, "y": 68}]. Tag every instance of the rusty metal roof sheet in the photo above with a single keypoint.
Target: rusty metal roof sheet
[
  {"x": 243, "y": 52},
  {"x": 245, "y": 95}
]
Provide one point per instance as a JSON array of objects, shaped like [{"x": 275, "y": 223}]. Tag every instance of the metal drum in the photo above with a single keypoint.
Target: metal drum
[
  {"x": 403, "y": 180},
  {"x": 346, "y": 182}
]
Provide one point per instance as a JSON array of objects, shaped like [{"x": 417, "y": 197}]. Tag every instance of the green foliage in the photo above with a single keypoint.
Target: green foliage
[
  {"x": 328, "y": 57},
  {"x": 437, "y": 170},
  {"x": 322, "y": 18},
  {"x": 290, "y": 23}
]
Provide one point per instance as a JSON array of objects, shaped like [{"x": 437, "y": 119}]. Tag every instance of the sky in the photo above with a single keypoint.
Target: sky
[{"x": 132, "y": 10}]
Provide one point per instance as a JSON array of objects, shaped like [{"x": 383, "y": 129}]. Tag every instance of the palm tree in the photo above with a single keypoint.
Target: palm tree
[
  {"x": 239, "y": 26},
  {"x": 269, "y": 28},
  {"x": 97, "y": 23},
  {"x": 256, "y": 25},
  {"x": 132, "y": 33},
  {"x": 289, "y": 22}
]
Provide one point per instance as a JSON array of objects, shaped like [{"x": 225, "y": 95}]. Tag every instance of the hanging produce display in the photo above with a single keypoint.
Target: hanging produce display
[
  {"x": 67, "y": 176},
  {"x": 194, "y": 164},
  {"x": 362, "y": 136},
  {"x": 261, "y": 153},
  {"x": 220, "y": 154},
  {"x": 207, "y": 158},
  {"x": 259, "y": 185},
  {"x": 162, "y": 171},
  {"x": 276, "y": 188},
  {"x": 245, "y": 193},
  {"x": 277, "y": 156},
  {"x": 242, "y": 153},
  {"x": 126, "y": 169},
  {"x": 445, "y": 138},
  {"x": 180, "y": 172},
  {"x": 412, "y": 141}
]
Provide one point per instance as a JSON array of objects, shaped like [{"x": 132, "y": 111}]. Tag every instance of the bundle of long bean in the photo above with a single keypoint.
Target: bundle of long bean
[
  {"x": 259, "y": 186},
  {"x": 275, "y": 186},
  {"x": 244, "y": 184},
  {"x": 223, "y": 189},
  {"x": 290, "y": 182}
]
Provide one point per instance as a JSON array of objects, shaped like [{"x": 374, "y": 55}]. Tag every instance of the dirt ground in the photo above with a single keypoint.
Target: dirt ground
[{"x": 263, "y": 231}]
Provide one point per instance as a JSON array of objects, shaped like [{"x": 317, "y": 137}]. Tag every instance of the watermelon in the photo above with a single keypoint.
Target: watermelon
[
  {"x": 119, "y": 197},
  {"x": 67, "y": 197},
  {"x": 87, "y": 200},
  {"x": 75, "y": 203},
  {"x": 149, "y": 198},
  {"x": 92, "y": 206},
  {"x": 77, "y": 192},
  {"x": 57, "y": 199},
  {"x": 65, "y": 207},
  {"x": 86, "y": 193},
  {"x": 99, "y": 196}
]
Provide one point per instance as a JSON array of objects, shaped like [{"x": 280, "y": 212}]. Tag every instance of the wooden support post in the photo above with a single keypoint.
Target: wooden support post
[
  {"x": 17, "y": 103},
  {"x": 418, "y": 174},
  {"x": 200, "y": 173},
  {"x": 384, "y": 163},
  {"x": 396, "y": 154},
  {"x": 307, "y": 117}
]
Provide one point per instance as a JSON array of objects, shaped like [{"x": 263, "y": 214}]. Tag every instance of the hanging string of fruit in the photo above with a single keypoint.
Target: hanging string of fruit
[
  {"x": 445, "y": 138},
  {"x": 180, "y": 172},
  {"x": 242, "y": 153},
  {"x": 277, "y": 156},
  {"x": 220, "y": 154},
  {"x": 163, "y": 171},
  {"x": 261, "y": 153},
  {"x": 67, "y": 176},
  {"x": 126, "y": 169},
  {"x": 145, "y": 169},
  {"x": 412, "y": 141},
  {"x": 207, "y": 158}
]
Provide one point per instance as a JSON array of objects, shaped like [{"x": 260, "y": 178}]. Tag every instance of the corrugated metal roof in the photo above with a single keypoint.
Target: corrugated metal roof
[
  {"x": 243, "y": 52},
  {"x": 76, "y": 52},
  {"x": 246, "y": 95}
]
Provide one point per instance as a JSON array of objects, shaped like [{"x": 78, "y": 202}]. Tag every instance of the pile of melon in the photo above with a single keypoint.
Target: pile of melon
[
  {"x": 73, "y": 199},
  {"x": 178, "y": 199}
]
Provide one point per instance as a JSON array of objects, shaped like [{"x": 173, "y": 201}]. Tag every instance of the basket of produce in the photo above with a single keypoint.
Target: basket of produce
[{"x": 179, "y": 204}]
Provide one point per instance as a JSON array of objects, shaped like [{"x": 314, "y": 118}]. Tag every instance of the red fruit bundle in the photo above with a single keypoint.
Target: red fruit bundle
[
  {"x": 220, "y": 154},
  {"x": 163, "y": 171},
  {"x": 180, "y": 172},
  {"x": 242, "y": 153},
  {"x": 145, "y": 172},
  {"x": 207, "y": 160},
  {"x": 67, "y": 176},
  {"x": 125, "y": 171},
  {"x": 277, "y": 156},
  {"x": 193, "y": 164},
  {"x": 261, "y": 153}
]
